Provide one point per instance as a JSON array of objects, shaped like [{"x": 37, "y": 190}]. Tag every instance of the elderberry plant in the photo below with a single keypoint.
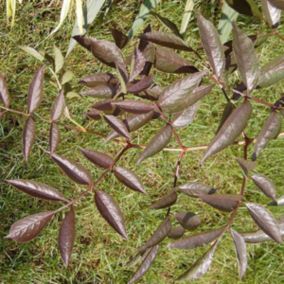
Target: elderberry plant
[{"x": 130, "y": 99}]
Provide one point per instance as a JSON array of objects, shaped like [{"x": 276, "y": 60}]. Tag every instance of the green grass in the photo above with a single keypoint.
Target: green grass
[{"x": 100, "y": 255}]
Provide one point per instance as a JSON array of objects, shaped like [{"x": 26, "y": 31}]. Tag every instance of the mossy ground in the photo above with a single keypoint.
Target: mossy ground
[{"x": 100, "y": 255}]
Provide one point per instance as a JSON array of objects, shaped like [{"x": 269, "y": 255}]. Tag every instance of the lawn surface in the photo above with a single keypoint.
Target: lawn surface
[{"x": 100, "y": 255}]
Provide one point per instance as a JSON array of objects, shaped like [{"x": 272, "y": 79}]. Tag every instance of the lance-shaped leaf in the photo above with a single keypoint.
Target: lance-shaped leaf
[
  {"x": 28, "y": 137},
  {"x": 145, "y": 265},
  {"x": 35, "y": 90},
  {"x": 259, "y": 236},
  {"x": 230, "y": 130},
  {"x": 241, "y": 250},
  {"x": 37, "y": 189},
  {"x": 128, "y": 178},
  {"x": 54, "y": 137},
  {"x": 223, "y": 202},
  {"x": 265, "y": 221},
  {"x": 98, "y": 79},
  {"x": 110, "y": 212},
  {"x": 98, "y": 158},
  {"x": 197, "y": 240},
  {"x": 246, "y": 58},
  {"x": 4, "y": 94},
  {"x": 269, "y": 131},
  {"x": 105, "y": 51},
  {"x": 165, "y": 201},
  {"x": 138, "y": 64},
  {"x": 106, "y": 106},
  {"x": 119, "y": 37},
  {"x": 169, "y": 24},
  {"x": 67, "y": 236},
  {"x": 58, "y": 107},
  {"x": 117, "y": 125},
  {"x": 29, "y": 227},
  {"x": 154, "y": 92},
  {"x": 133, "y": 123},
  {"x": 144, "y": 83},
  {"x": 241, "y": 6},
  {"x": 272, "y": 72},
  {"x": 194, "y": 189},
  {"x": 179, "y": 95},
  {"x": 186, "y": 117},
  {"x": 167, "y": 60},
  {"x": 100, "y": 91},
  {"x": 157, "y": 143},
  {"x": 201, "y": 266},
  {"x": 188, "y": 220},
  {"x": 278, "y": 4},
  {"x": 166, "y": 39},
  {"x": 160, "y": 233},
  {"x": 132, "y": 106},
  {"x": 271, "y": 13},
  {"x": 176, "y": 232},
  {"x": 265, "y": 185},
  {"x": 73, "y": 170},
  {"x": 246, "y": 165},
  {"x": 212, "y": 45}
]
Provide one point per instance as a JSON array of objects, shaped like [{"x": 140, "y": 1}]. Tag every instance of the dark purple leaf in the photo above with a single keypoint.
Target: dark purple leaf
[
  {"x": 230, "y": 130},
  {"x": 212, "y": 45},
  {"x": 132, "y": 106},
  {"x": 98, "y": 158},
  {"x": 28, "y": 137},
  {"x": 265, "y": 221},
  {"x": 179, "y": 95},
  {"x": 272, "y": 72},
  {"x": 133, "y": 123},
  {"x": 100, "y": 91},
  {"x": 197, "y": 240},
  {"x": 201, "y": 266},
  {"x": 4, "y": 94},
  {"x": 194, "y": 189},
  {"x": 117, "y": 125},
  {"x": 35, "y": 90},
  {"x": 139, "y": 62},
  {"x": 99, "y": 79},
  {"x": 265, "y": 185},
  {"x": 54, "y": 137},
  {"x": 169, "y": 61},
  {"x": 29, "y": 227},
  {"x": 269, "y": 131},
  {"x": 119, "y": 37},
  {"x": 110, "y": 212},
  {"x": 128, "y": 178},
  {"x": 58, "y": 107},
  {"x": 105, "y": 51},
  {"x": 73, "y": 170},
  {"x": 168, "y": 23},
  {"x": 144, "y": 83},
  {"x": 145, "y": 265},
  {"x": 246, "y": 58},
  {"x": 157, "y": 143},
  {"x": 160, "y": 234},
  {"x": 223, "y": 202},
  {"x": 185, "y": 117},
  {"x": 176, "y": 232},
  {"x": 188, "y": 220},
  {"x": 67, "y": 236},
  {"x": 246, "y": 165},
  {"x": 165, "y": 201},
  {"x": 241, "y": 250},
  {"x": 241, "y": 6},
  {"x": 166, "y": 39},
  {"x": 37, "y": 189}
]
